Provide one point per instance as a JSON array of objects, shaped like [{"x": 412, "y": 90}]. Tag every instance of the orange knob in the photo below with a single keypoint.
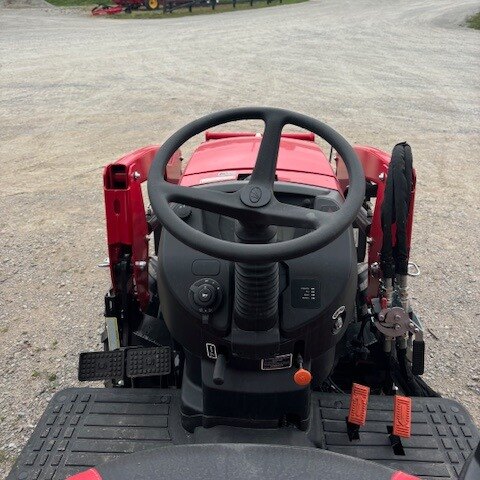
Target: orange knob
[{"x": 302, "y": 377}]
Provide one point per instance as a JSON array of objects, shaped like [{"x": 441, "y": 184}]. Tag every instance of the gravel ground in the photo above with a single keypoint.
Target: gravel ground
[
  {"x": 78, "y": 92},
  {"x": 25, "y": 4}
]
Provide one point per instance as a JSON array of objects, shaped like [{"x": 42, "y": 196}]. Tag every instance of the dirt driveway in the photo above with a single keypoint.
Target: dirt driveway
[{"x": 78, "y": 92}]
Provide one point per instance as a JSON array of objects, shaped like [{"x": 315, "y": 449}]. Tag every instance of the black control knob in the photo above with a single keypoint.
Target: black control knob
[
  {"x": 183, "y": 211},
  {"x": 205, "y": 295}
]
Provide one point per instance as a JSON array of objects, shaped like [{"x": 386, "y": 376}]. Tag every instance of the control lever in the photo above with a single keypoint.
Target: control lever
[
  {"x": 302, "y": 377},
  {"x": 219, "y": 369}
]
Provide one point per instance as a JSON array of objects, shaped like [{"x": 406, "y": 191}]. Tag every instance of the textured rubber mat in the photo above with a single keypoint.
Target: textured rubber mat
[
  {"x": 83, "y": 427},
  {"x": 443, "y": 435}
]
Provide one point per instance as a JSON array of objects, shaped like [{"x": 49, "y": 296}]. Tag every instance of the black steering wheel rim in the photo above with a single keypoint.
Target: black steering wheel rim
[{"x": 255, "y": 203}]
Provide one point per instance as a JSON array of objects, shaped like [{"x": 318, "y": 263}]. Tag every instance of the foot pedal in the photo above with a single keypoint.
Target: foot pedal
[
  {"x": 402, "y": 416},
  {"x": 418, "y": 357},
  {"x": 357, "y": 414},
  {"x": 148, "y": 362},
  {"x": 127, "y": 362},
  {"x": 101, "y": 365}
]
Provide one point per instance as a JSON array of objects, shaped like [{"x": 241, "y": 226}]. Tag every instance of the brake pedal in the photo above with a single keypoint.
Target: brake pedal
[
  {"x": 101, "y": 365},
  {"x": 126, "y": 362},
  {"x": 148, "y": 362}
]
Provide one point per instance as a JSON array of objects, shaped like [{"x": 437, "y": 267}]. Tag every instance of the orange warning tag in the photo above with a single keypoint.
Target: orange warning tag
[
  {"x": 358, "y": 404},
  {"x": 402, "y": 416}
]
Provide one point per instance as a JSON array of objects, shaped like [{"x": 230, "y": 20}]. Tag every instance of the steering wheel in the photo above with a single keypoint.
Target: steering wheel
[{"x": 255, "y": 203}]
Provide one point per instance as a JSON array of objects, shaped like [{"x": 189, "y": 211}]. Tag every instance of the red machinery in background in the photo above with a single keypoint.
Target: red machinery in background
[{"x": 128, "y": 5}]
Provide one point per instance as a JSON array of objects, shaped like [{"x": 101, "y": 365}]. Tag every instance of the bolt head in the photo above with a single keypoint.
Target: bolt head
[
  {"x": 337, "y": 326},
  {"x": 136, "y": 175},
  {"x": 141, "y": 265},
  {"x": 397, "y": 326}
]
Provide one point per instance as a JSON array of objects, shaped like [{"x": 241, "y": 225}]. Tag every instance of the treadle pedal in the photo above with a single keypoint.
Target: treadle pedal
[
  {"x": 148, "y": 362},
  {"x": 101, "y": 365},
  {"x": 131, "y": 362}
]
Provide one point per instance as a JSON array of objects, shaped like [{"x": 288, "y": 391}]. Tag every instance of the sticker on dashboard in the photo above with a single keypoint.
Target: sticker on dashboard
[{"x": 277, "y": 363}]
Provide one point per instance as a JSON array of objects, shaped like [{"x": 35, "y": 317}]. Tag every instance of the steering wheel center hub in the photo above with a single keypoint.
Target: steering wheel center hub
[{"x": 255, "y": 196}]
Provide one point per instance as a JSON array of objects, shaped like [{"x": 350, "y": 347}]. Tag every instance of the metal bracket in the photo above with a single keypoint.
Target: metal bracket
[{"x": 395, "y": 322}]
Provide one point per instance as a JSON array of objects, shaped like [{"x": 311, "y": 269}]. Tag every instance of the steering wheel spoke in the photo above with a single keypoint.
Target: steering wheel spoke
[
  {"x": 208, "y": 199},
  {"x": 266, "y": 164},
  {"x": 286, "y": 215}
]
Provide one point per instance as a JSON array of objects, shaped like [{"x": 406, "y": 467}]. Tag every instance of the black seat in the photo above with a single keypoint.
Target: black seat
[{"x": 241, "y": 461}]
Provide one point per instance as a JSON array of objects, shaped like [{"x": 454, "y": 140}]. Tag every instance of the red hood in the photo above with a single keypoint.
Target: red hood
[{"x": 234, "y": 154}]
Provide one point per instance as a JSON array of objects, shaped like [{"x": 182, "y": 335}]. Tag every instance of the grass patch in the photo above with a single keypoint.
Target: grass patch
[
  {"x": 474, "y": 21},
  {"x": 203, "y": 10},
  {"x": 74, "y": 3},
  {"x": 51, "y": 377},
  {"x": 4, "y": 456},
  {"x": 221, "y": 7}
]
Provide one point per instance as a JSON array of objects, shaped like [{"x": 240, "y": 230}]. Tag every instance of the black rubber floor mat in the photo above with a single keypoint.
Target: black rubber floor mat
[
  {"x": 443, "y": 435},
  {"x": 83, "y": 427}
]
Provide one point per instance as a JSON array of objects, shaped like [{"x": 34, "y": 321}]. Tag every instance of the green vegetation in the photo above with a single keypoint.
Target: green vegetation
[
  {"x": 4, "y": 456},
  {"x": 221, "y": 7},
  {"x": 204, "y": 10},
  {"x": 474, "y": 21},
  {"x": 75, "y": 3},
  {"x": 51, "y": 377}
]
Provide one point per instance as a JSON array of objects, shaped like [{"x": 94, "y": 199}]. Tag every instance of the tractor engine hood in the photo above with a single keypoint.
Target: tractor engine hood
[{"x": 231, "y": 156}]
